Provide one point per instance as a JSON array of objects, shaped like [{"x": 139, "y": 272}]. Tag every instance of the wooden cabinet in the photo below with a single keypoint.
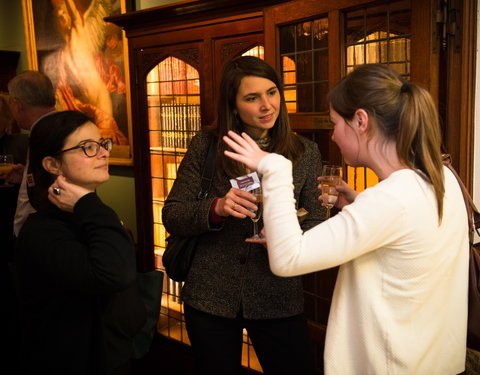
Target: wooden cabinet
[
  {"x": 313, "y": 44},
  {"x": 175, "y": 68},
  {"x": 203, "y": 42}
]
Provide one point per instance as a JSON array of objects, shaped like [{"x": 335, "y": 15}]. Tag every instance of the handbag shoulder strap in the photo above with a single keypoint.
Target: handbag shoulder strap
[
  {"x": 472, "y": 211},
  {"x": 208, "y": 170}
]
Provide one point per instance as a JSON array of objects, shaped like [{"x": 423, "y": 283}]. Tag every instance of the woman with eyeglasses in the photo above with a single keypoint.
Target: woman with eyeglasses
[{"x": 75, "y": 262}]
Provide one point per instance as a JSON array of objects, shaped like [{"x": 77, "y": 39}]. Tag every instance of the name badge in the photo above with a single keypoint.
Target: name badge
[{"x": 248, "y": 182}]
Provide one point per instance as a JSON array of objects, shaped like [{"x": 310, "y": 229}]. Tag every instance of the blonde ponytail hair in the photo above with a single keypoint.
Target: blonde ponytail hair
[{"x": 403, "y": 111}]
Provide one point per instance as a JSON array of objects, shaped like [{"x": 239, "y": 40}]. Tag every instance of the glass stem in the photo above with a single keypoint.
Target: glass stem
[
  {"x": 327, "y": 214},
  {"x": 255, "y": 228}
]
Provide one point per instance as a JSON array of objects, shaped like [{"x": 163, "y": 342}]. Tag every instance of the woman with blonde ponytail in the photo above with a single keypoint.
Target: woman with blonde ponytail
[{"x": 400, "y": 300}]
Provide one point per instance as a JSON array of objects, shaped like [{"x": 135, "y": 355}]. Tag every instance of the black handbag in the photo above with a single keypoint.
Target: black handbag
[
  {"x": 473, "y": 331},
  {"x": 180, "y": 251},
  {"x": 149, "y": 287}
]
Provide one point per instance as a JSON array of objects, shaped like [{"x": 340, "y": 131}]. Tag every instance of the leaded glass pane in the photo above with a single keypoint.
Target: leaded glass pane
[{"x": 304, "y": 64}]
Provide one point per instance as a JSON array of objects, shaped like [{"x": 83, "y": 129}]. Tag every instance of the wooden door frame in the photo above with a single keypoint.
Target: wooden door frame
[
  {"x": 294, "y": 11},
  {"x": 147, "y": 43},
  {"x": 460, "y": 81}
]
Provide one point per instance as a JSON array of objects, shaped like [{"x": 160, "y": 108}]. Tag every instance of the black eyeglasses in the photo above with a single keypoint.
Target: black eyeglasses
[{"x": 92, "y": 148}]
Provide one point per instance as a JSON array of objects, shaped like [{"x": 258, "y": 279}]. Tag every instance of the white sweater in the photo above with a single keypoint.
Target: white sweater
[{"x": 400, "y": 300}]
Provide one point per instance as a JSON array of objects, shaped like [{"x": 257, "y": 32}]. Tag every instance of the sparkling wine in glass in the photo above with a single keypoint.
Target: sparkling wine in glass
[
  {"x": 6, "y": 166},
  {"x": 331, "y": 177},
  {"x": 259, "y": 202}
]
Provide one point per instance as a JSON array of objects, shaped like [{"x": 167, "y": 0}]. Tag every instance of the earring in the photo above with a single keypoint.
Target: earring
[
  {"x": 30, "y": 180},
  {"x": 236, "y": 118}
]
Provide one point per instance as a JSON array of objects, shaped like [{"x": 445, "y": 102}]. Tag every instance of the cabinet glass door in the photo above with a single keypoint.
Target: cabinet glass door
[{"x": 173, "y": 104}]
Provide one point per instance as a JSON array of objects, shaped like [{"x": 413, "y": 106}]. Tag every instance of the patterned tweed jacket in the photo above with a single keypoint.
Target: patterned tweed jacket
[{"x": 229, "y": 276}]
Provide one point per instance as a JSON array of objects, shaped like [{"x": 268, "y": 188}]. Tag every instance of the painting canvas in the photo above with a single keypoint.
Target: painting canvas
[{"x": 84, "y": 56}]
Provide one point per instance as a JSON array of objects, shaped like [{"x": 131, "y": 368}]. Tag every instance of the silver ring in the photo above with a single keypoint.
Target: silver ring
[{"x": 56, "y": 190}]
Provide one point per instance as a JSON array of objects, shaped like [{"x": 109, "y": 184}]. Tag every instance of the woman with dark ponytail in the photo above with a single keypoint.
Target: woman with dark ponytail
[{"x": 400, "y": 300}]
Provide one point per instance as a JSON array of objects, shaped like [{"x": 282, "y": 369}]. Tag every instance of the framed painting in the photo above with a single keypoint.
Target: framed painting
[{"x": 86, "y": 59}]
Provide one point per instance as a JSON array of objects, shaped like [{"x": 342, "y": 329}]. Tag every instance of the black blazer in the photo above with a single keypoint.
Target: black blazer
[{"x": 79, "y": 305}]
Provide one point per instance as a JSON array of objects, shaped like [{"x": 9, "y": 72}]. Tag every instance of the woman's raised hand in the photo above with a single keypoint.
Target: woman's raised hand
[
  {"x": 64, "y": 194},
  {"x": 245, "y": 150}
]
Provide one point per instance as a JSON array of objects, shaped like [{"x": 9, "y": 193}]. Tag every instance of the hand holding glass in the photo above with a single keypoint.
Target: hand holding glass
[
  {"x": 259, "y": 202},
  {"x": 6, "y": 167},
  {"x": 331, "y": 177}
]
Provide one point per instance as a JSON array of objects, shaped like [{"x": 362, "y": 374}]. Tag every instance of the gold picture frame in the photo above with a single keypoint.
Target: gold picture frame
[{"x": 87, "y": 60}]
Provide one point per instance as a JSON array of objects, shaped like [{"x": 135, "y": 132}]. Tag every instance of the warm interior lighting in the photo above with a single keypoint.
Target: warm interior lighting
[{"x": 173, "y": 99}]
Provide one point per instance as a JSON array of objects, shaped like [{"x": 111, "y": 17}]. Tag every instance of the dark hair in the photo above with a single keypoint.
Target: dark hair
[
  {"x": 47, "y": 138},
  {"x": 283, "y": 141},
  {"x": 32, "y": 88},
  {"x": 402, "y": 111}
]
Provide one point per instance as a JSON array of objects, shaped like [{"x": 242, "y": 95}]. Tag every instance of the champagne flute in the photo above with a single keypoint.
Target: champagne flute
[
  {"x": 331, "y": 177},
  {"x": 259, "y": 202},
  {"x": 6, "y": 166}
]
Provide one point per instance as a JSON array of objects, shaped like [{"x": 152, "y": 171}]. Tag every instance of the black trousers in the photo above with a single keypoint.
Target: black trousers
[{"x": 282, "y": 345}]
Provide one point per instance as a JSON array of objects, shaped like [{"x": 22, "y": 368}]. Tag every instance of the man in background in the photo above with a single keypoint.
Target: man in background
[
  {"x": 31, "y": 97},
  {"x": 12, "y": 142}
]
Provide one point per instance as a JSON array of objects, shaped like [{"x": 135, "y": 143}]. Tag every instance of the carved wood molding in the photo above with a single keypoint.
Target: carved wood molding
[
  {"x": 192, "y": 55},
  {"x": 189, "y": 55},
  {"x": 230, "y": 49},
  {"x": 148, "y": 60}
]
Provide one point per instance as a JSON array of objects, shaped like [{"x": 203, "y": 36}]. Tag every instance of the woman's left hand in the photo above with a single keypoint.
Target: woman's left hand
[
  {"x": 346, "y": 194},
  {"x": 261, "y": 241},
  {"x": 245, "y": 150},
  {"x": 64, "y": 194}
]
